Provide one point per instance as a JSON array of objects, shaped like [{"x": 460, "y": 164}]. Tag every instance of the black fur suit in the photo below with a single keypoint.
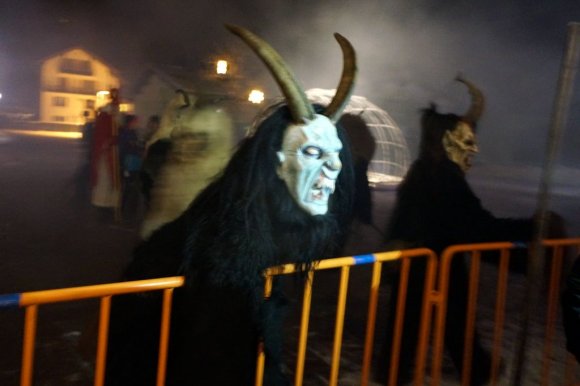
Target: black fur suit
[
  {"x": 242, "y": 223},
  {"x": 436, "y": 208}
]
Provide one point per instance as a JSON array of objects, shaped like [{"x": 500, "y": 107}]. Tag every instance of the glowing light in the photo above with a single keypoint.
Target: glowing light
[
  {"x": 102, "y": 94},
  {"x": 0, "y": 95},
  {"x": 47, "y": 133},
  {"x": 256, "y": 96},
  {"x": 221, "y": 67}
]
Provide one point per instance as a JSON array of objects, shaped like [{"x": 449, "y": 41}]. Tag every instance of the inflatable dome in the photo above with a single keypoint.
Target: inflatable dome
[{"x": 391, "y": 154}]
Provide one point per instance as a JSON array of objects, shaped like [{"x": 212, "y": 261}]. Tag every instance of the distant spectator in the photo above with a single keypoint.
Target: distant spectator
[
  {"x": 130, "y": 158},
  {"x": 104, "y": 175}
]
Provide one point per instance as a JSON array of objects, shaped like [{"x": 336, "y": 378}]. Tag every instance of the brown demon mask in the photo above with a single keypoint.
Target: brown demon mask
[{"x": 460, "y": 143}]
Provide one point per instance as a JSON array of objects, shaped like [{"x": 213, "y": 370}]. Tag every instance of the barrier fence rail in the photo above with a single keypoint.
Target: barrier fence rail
[
  {"x": 475, "y": 250},
  {"x": 435, "y": 294},
  {"x": 31, "y": 300}
]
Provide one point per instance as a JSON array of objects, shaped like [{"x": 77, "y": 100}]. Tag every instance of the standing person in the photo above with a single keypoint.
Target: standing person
[
  {"x": 436, "y": 208},
  {"x": 105, "y": 178},
  {"x": 131, "y": 158}
]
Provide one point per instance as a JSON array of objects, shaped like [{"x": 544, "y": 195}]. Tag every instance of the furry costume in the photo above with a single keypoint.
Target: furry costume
[
  {"x": 194, "y": 144},
  {"x": 436, "y": 208},
  {"x": 243, "y": 222}
]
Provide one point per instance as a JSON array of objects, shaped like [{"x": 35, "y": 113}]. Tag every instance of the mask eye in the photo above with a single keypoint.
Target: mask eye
[{"x": 312, "y": 152}]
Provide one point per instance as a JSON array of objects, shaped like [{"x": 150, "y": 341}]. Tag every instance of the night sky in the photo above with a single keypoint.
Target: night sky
[{"x": 409, "y": 52}]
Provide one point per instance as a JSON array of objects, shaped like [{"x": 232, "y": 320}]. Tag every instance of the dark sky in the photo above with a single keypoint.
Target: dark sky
[{"x": 409, "y": 51}]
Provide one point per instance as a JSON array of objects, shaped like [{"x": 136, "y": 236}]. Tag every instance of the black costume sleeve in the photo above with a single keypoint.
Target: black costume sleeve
[
  {"x": 465, "y": 220},
  {"x": 437, "y": 208}
]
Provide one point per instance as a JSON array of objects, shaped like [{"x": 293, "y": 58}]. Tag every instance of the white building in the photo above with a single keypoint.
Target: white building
[{"x": 69, "y": 82}]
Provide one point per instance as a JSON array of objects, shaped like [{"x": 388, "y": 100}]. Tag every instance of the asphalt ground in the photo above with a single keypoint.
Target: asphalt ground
[{"x": 50, "y": 238}]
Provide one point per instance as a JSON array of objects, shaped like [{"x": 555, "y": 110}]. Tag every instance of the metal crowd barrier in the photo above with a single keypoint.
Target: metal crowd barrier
[
  {"x": 436, "y": 288},
  {"x": 31, "y": 300},
  {"x": 434, "y": 306},
  {"x": 440, "y": 297},
  {"x": 344, "y": 263}
]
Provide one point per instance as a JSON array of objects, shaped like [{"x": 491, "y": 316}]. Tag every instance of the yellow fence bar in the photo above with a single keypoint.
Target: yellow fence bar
[
  {"x": 99, "y": 290},
  {"x": 103, "y": 333},
  {"x": 31, "y": 300},
  {"x": 344, "y": 263},
  {"x": 30, "y": 319},
  {"x": 303, "y": 336},
  {"x": 340, "y": 311},
  {"x": 504, "y": 248},
  {"x": 435, "y": 298},
  {"x": 164, "y": 335},
  {"x": 371, "y": 321}
]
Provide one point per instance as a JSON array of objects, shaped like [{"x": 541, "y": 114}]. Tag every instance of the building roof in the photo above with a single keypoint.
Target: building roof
[{"x": 114, "y": 70}]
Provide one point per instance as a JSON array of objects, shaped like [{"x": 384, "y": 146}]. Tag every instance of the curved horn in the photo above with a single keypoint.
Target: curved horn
[
  {"x": 477, "y": 101},
  {"x": 186, "y": 101},
  {"x": 296, "y": 99},
  {"x": 346, "y": 85}
]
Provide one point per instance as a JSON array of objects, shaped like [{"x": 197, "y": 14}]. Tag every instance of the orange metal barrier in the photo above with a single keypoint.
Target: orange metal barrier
[
  {"x": 31, "y": 300},
  {"x": 436, "y": 287},
  {"x": 441, "y": 296},
  {"x": 344, "y": 263}
]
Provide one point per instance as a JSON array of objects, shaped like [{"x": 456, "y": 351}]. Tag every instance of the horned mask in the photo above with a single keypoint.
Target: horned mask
[
  {"x": 460, "y": 144},
  {"x": 308, "y": 160}
]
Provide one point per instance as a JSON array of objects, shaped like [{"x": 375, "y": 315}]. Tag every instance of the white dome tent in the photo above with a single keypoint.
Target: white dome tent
[{"x": 391, "y": 158}]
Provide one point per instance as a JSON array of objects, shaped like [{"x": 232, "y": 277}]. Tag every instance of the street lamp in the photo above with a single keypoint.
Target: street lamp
[
  {"x": 256, "y": 96},
  {"x": 221, "y": 67}
]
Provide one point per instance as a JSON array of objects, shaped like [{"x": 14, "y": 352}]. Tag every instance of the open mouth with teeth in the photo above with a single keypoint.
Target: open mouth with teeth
[{"x": 322, "y": 189}]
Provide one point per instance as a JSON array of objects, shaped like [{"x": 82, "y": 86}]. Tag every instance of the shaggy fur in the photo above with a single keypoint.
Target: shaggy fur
[
  {"x": 200, "y": 143},
  {"x": 436, "y": 208},
  {"x": 242, "y": 223}
]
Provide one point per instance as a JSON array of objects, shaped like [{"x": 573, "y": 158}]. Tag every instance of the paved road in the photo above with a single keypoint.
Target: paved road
[{"x": 50, "y": 238}]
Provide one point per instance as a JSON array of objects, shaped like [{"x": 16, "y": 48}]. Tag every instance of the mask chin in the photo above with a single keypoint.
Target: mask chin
[
  {"x": 460, "y": 145},
  {"x": 309, "y": 163}
]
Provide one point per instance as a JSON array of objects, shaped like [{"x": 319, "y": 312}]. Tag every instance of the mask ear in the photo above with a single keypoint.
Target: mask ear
[
  {"x": 281, "y": 158},
  {"x": 448, "y": 140}
]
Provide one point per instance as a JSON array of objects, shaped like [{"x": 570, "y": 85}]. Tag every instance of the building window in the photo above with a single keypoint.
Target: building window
[
  {"x": 76, "y": 66},
  {"x": 89, "y": 87},
  {"x": 59, "y": 101}
]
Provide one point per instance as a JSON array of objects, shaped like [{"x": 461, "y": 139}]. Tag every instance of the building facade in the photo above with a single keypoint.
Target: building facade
[{"x": 69, "y": 84}]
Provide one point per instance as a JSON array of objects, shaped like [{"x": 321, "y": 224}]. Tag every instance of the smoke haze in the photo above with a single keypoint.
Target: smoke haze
[{"x": 408, "y": 52}]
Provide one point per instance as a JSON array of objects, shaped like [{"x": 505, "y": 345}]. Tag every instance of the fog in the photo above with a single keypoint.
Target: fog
[{"x": 408, "y": 52}]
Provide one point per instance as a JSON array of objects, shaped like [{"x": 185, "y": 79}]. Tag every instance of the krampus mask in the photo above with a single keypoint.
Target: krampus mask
[
  {"x": 309, "y": 161},
  {"x": 450, "y": 135}
]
